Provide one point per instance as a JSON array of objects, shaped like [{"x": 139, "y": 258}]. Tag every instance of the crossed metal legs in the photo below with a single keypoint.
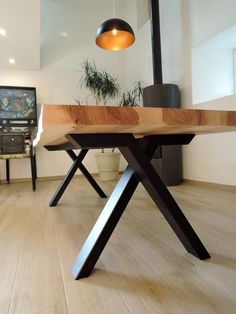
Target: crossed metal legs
[
  {"x": 77, "y": 164},
  {"x": 138, "y": 154}
]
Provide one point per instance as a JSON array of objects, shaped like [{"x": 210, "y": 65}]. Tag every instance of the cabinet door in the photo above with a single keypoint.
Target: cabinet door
[{"x": 12, "y": 143}]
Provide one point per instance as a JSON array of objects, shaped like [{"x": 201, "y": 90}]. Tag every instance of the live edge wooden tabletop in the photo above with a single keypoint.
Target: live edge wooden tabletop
[{"x": 56, "y": 121}]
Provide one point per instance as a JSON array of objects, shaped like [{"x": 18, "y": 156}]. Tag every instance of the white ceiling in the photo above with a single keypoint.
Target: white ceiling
[
  {"x": 21, "y": 20},
  {"x": 37, "y": 28}
]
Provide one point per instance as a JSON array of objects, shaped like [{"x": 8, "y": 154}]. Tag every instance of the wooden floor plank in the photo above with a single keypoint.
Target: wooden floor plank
[
  {"x": 37, "y": 286},
  {"x": 96, "y": 292},
  {"x": 143, "y": 269},
  {"x": 10, "y": 252}
]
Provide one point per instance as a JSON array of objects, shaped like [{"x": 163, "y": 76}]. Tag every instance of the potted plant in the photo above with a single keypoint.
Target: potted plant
[
  {"x": 102, "y": 87},
  {"x": 108, "y": 162}
]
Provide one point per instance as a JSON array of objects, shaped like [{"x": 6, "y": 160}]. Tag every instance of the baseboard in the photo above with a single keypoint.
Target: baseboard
[
  {"x": 59, "y": 178},
  {"x": 210, "y": 184},
  {"x": 39, "y": 179}
]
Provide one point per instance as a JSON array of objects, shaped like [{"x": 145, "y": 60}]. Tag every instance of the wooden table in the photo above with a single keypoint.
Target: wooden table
[{"x": 137, "y": 132}]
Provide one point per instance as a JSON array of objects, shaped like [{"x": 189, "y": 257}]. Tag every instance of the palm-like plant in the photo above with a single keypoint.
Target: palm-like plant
[
  {"x": 100, "y": 84},
  {"x": 132, "y": 97}
]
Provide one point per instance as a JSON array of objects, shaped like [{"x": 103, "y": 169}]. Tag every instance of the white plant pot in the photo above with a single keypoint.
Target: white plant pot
[{"x": 108, "y": 165}]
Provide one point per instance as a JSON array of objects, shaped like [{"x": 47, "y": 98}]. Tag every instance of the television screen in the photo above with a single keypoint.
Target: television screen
[{"x": 18, "y": 103}]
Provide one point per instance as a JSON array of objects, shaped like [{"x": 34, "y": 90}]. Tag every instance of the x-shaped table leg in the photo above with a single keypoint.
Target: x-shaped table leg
[
  {"x": 138, "y": 154},
  {"x": 77, "y": 164}
]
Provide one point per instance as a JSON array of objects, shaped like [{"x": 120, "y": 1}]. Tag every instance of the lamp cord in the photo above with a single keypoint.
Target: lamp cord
[{"x": 113, "y": 8}]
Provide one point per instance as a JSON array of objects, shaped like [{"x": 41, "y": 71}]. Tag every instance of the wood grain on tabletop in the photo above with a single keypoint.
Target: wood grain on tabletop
[{"x": 58, "y": 120}]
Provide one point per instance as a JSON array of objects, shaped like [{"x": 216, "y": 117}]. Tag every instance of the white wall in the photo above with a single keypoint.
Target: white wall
[
  {"x": 213, "y": 66},
  {"x": 210, "y": 17},
  {"x": 209, "y": 158},
  {"x": 139, "y": 56},
  {"x": 212, "y": 73}
]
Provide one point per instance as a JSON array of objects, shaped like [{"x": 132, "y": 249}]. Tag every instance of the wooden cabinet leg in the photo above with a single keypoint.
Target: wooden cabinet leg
[{"x": 8, "y": 170}]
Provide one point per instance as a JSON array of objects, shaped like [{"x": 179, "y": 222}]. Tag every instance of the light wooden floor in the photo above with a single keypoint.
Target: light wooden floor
[{"x": 143, "y": 269}]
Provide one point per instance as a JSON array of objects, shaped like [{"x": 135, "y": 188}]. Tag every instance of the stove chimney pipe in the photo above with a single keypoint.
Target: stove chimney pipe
[{"x": 156, "y": 41}]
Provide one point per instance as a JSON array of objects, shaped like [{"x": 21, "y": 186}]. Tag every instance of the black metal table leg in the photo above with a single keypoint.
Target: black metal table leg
[
  {"x": 87, "y": 175},
  {"x": 77, "y": 164},
  {"x": 33, "y": 168},
  {"x": 140, "y": 170},
  {"x": 65, "y": 182},
  {"x": 107, "y": 221},
  {"x": 8, "y": 170},
  {"x": 164, "y": 200}
]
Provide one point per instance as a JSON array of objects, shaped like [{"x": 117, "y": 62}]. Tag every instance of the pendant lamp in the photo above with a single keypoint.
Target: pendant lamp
[{"x": 114, "y": 34}]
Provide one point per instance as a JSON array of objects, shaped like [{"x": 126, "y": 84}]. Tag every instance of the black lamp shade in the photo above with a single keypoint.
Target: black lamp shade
[{"x": 115, "y": 34}]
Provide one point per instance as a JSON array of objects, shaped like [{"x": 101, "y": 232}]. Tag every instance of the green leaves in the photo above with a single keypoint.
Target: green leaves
[
  {"x": 101, "y": 84},
  {"x": 132, "y": 97}
]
